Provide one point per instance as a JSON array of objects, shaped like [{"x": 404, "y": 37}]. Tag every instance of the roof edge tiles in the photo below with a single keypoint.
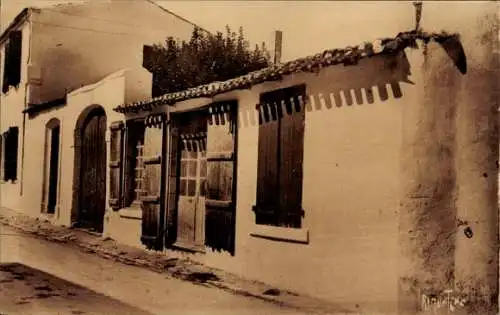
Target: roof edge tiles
[{"x": 347, "y": 56}]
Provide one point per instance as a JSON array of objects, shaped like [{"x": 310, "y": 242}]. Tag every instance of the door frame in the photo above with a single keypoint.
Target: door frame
[
  {"x": 177, "y": 119},
  {"x": 77, "y": 162},
  {"x": 173, "y": 167},
  {"x": 48, "y": 167}
]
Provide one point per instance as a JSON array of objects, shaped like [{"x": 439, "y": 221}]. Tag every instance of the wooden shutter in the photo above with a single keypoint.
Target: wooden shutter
[
  {"x": 280, "y": 155},
  {"x": 115, "y": 165},
  {"x": 173, "y": 162},
  {"x": 15, "y": 51},
  {"x": 268, "y": 167},
  {"x": 221, "y": 161},
  {"x": 291, "y": 152},
  {"x": 6, "y": 66},
  {"x": 151, "y": 201}
]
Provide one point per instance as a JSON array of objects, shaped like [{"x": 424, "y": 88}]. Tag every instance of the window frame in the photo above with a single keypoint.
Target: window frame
[
  {"x": 272, "y": 211},
  {"x": 137, "y": 128},
  {"x": 12, "y": 61},
  {"x": 50, "y": 127},
  {"x": 13, "y": 157}
]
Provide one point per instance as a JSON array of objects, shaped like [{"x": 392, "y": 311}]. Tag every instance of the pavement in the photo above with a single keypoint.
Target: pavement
[{"x": 135, "y": 281}]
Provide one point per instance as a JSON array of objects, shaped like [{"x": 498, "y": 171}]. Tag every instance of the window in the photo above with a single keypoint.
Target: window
[
  {"x": 280, "y": 155},
  {"x": 134, "y": 169},
  {"x": 193, "y": 172},
  {"x": 10, "y": 154},
  {"x": 51, "y": 168},
  {"x": 12, "y": 61}
]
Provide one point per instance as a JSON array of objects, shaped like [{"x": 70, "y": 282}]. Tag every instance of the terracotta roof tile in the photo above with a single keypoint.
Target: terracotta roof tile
[{"x": 348, "y": 56}]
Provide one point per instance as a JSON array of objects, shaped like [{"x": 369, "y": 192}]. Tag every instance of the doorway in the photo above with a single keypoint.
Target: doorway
[
  {"x": 191, "y": 174},
  {"x": 92, "y": 171},
  {"x": 51, "y": 178}
]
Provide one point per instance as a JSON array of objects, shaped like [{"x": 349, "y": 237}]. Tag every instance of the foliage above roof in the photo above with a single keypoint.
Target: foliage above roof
[{"x": 347, "y": 56}]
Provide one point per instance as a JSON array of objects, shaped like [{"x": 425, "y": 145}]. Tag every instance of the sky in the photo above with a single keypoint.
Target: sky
[{"x": 308, "y": 26}]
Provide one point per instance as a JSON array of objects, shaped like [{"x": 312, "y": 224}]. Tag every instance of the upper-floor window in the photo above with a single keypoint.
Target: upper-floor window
[
  {"x": 10, "y": 139},
  {"x": 280, "y": 155},
  {"x": 12, "y": 61}
]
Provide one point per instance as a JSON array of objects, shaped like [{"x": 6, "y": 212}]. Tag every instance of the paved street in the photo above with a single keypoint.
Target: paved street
[
  {"x": 29, "y": 291},
  {"x": 93, "y": 285}
]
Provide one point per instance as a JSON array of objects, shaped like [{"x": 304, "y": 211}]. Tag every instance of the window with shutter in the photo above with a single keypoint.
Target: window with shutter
[
  {"x": 12, "y": 62},
  {"x": 10, "y": 155},
  {"x": 280, "y": 156},
  {"x": 115, "y": 165},
  {"x": 134, "y": 168}
]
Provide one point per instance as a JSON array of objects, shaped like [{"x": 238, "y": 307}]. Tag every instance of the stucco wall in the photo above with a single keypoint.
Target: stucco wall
[
  {"x": 11, "y": 106},
  {"x": 350, "y": 187},
  {"x": 92, "y": 40},
  {"x": 108, "y": 93},
  {"x": 452, "y": 188}
]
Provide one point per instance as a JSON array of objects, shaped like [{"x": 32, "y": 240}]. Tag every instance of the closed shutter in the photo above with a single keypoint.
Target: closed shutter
[
  {"x": 268, "y": 168},
  {"x": 173, "y": 162},
  {"x": 152, "y": 214},
  {"x": 221, "y": 161},
  {"x": 115, "y": 165},
  {"x": 15, "y": 58},
  {"x": 6, "y": 66},
  {"x": 291, "y": 158},
  {"x": 280, "y": 157}
]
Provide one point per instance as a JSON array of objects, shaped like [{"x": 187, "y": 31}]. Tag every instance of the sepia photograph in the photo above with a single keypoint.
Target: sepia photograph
[{"x": 171, "y": 157}]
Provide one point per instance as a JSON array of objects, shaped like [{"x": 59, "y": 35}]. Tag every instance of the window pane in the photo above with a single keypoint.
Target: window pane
[
  {"x": 182, "y": 187},
  {"x": 203, "y": 186},
  {"x": 192, "y": 154},
  {"x": 192, "y": 168},
  {"x": 183, "y": 168},
  {"x": 191, "y": 187},
  {"x": 203, "y": 168}
]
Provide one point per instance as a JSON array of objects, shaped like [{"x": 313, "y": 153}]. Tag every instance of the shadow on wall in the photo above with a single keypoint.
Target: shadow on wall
[
  {"x": 62, "y": 74},
  {"x": 373, "y": 80}
]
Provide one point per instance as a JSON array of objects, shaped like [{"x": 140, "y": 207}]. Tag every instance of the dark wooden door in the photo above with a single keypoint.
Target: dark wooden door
[{"x": 93, "y": 171}]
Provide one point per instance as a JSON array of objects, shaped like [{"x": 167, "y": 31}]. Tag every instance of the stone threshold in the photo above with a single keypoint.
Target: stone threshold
[{"x": 181, "y": 268}]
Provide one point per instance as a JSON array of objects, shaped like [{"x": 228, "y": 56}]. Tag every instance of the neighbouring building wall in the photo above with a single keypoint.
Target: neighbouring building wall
[
  {"x": 107, "y": 93},
  {"x": 350, "y": 186},
  {"x": 12, "y": 104},
  {"x": 83, "y": 43},
  {"x": 449, "y": 220}
]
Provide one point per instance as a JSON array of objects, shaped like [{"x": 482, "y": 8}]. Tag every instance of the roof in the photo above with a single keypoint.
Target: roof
[
  {"x": 347, "y": 56},
  {"x": 23, "y": 15}
]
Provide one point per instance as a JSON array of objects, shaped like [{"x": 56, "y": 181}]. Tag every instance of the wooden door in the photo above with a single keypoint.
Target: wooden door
[
  {"x": 93, "y": 171},
  {"x": 192, "y": 174}
]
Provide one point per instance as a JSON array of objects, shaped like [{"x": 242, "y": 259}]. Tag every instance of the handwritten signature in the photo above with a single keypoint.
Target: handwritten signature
[{"x": 447, "y": 300}]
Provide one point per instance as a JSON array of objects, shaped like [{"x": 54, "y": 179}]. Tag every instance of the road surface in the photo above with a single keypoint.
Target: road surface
[{"x": 94, "y": 285}]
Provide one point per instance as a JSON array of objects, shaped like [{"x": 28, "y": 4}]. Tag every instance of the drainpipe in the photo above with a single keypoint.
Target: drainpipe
[{"x": 26, "y": 90}]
